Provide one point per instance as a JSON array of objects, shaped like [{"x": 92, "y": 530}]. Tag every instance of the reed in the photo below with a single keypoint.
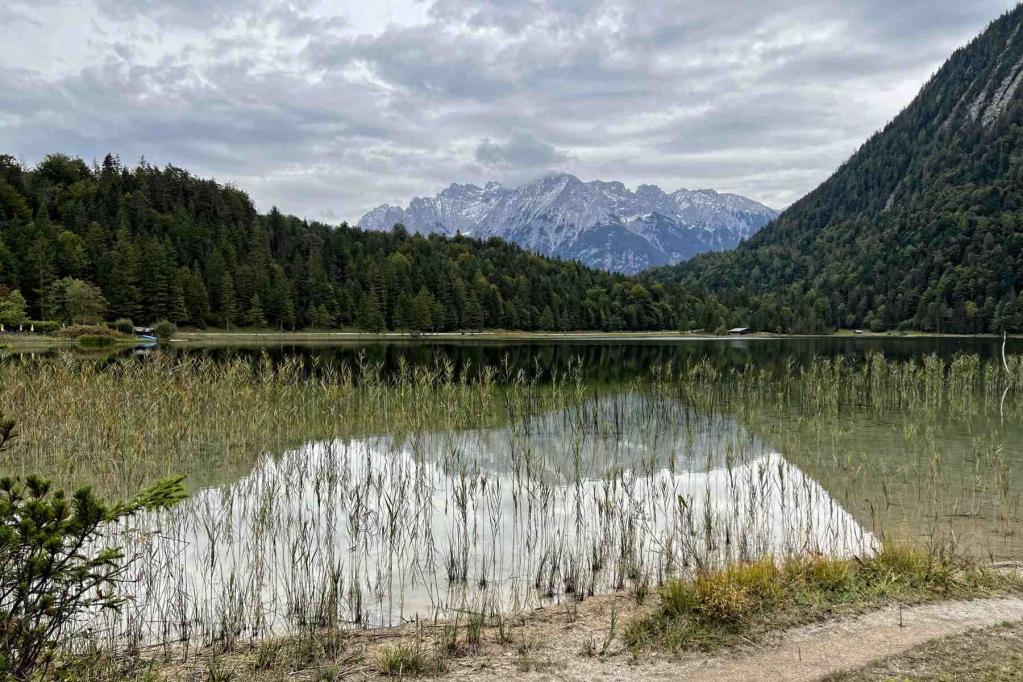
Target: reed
[{"x": 330, "y": 498}]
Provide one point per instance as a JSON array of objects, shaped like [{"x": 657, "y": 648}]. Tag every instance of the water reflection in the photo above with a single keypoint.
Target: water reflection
[
  {"x": 381, "y": 530},
  {"x": 596, "y": 360},
  {"x": 612, "y": 361}
]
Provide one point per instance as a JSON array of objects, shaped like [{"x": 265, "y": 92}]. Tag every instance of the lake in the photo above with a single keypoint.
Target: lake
[
  {"x": 600, "y": 360},
  {"x": 379, "y": 483}
]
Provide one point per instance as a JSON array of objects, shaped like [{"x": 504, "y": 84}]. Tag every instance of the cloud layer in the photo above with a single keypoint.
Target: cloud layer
[{"x": 326, "y": 113}]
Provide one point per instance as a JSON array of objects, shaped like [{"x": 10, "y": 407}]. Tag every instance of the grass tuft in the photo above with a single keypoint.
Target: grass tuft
[
  {"x": 406, "y": 659},
  {"x": 736, "y": 603}
]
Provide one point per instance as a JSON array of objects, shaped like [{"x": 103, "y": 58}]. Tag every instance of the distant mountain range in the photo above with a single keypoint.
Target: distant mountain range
[{"x": 601, "y": 224}]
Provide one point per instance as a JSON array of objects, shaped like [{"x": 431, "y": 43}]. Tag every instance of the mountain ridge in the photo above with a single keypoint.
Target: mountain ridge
[
  {"x": 922, "y": 228},
  {"x": 599, "y": 223}
]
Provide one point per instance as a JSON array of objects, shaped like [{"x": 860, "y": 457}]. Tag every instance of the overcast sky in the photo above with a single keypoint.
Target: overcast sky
[{"x": 327, "y": 109}]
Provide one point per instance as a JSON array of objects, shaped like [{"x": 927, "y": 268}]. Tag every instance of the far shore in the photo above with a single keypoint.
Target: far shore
[
  {"x": 260, "y": 337},
  {"x": 205, "y": 337}
]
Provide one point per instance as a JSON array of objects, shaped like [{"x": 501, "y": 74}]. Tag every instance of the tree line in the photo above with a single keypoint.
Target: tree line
[{"x": 102, "y": 241}]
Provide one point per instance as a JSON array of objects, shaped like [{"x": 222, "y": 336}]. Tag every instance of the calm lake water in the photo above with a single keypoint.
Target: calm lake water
[
  {"x": 604, "y": 361},
  {"x": 381, "y": 530},
  {"x": 618, "y": 488}
]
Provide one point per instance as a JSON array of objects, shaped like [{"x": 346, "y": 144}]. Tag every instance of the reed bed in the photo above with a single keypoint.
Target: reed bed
[
  {"x": 117, "y": 426},
  {"x": 329, "y": 497},
  {"x": 931, "y": 450}
]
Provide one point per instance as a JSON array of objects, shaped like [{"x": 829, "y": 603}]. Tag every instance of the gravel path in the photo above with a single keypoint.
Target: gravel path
[{"x": 801, "y": 654}]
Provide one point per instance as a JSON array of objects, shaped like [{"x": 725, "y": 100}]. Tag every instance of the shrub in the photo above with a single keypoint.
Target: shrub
[
  {"x": 308, "y": 649},
  {"x": 829, "y": 575},
  {"x": 900, "y": 567},
  {"x": 730, "y": 595},
  {"x": 124, "y": 325},
  {"x": 52, "y": 567},
  {"x": 217, "y": 672},
  {"x": 165, "y": 330}
]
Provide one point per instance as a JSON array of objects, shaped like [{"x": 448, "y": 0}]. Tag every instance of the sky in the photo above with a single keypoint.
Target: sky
[{"x": 327, "y": 109}]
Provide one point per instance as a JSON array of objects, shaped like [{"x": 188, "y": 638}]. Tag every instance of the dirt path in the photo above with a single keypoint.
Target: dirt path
[{"x": 805, "y": 653}]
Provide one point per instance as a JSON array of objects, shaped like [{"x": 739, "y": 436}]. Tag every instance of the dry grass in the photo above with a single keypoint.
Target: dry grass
[{"x": 738, "y": 603}]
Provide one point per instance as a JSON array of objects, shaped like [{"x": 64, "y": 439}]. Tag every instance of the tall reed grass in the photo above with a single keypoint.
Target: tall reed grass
[{"x": 331, "y": 497}]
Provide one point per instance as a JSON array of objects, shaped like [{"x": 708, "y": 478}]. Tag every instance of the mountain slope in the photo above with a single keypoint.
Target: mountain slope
[
  {"x": 160, "y": 243},
  {"x": 922, "y": 228},
  {"x": 601, "y": 224}
]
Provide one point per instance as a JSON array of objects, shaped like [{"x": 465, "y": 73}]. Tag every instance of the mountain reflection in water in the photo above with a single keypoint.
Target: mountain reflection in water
[{"x": 561, "y": 505}]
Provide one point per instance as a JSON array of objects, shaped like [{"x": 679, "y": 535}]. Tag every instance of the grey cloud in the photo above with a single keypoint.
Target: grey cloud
[
  {"x": 282, "y": 98},
  {"x": 423, "y": 62},
  {"x": 12, "y": 15},
  {"x": 298, "y": 25},
  {"x": 191, "y": 13},
  {"x": 521, "y": 149},
  {"x": 514, "y": 15}
]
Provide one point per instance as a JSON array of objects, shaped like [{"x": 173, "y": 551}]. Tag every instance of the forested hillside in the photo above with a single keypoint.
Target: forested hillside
[
  {"x": 922, "y": 228},
  {"x": 147, "y": 243}
]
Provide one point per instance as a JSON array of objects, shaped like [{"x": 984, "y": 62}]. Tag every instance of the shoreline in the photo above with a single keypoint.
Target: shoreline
[
  {"x": 196, "y": 338},
  {"x": 583, "y": 640},
  {"x": 262, "y": 336}
]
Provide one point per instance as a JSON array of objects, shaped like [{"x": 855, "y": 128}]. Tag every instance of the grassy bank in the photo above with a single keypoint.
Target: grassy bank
[
  {"x": 75, "y": 337},
  {"x": 269, "y": 337},
  {"x": 265, "y": 336},
  {"x": 32, "y": 342},
  {"x": 719, "y": 609},
  {"x": 740, "y": 603}
]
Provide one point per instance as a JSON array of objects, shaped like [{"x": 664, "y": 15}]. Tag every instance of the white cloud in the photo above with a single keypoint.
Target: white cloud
[{"x": 327, "y": 113}]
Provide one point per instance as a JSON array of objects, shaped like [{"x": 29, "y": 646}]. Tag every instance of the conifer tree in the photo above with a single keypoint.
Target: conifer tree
[
  {"x": 254, "y": 315},
  {"x": 228, "y": 306}
]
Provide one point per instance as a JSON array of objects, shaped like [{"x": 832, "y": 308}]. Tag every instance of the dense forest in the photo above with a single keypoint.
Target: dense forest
[
  {"x": 83, "y": 242},
  {"x": 921, "y": 229}
]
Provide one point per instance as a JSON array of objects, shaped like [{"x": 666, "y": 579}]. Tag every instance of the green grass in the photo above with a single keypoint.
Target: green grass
[
  {"x": 739, "y": 602},
  {"x": 407, "y": 659}
]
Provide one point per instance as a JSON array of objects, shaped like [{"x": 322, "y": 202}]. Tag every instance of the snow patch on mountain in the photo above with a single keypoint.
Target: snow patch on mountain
[{"x": 601, "y": 224}]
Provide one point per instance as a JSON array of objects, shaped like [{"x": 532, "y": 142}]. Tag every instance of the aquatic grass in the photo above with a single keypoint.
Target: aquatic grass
[
  {"x": 335, "y": 497},
  {"x": 118, "y": 426}
]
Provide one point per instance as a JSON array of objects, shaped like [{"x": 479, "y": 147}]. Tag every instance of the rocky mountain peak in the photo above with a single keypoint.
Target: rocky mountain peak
[{"x": 600, "y": 223}]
